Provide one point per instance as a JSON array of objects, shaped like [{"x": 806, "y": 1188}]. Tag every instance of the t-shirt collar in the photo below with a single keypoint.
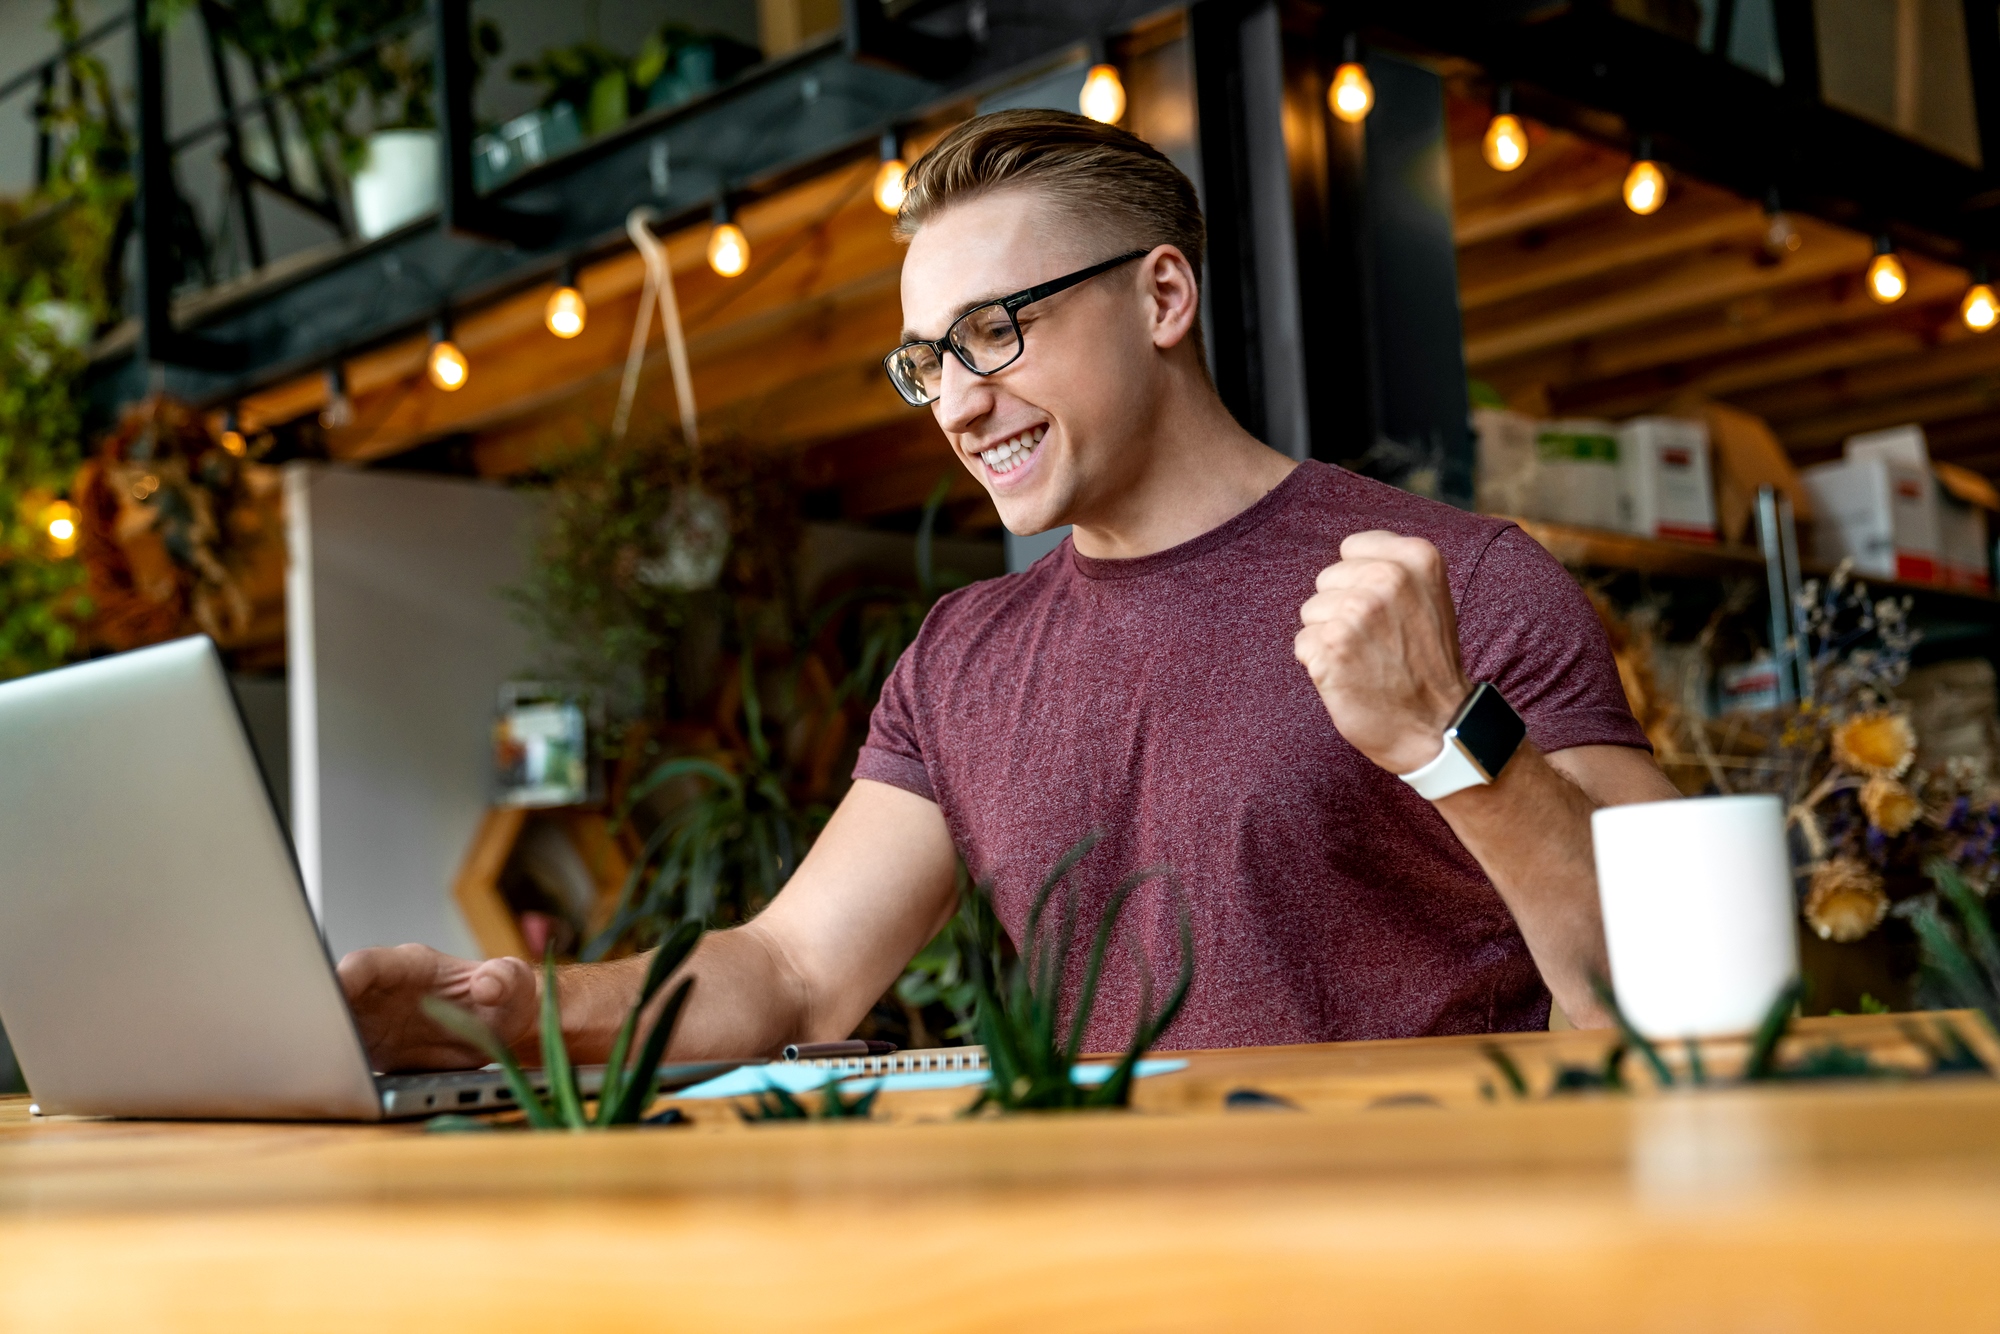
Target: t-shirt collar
[{"x": 1251, "y": 518}]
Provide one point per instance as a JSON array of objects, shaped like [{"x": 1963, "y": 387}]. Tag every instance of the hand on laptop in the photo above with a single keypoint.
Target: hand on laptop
[{"x": 385, "y": 988}]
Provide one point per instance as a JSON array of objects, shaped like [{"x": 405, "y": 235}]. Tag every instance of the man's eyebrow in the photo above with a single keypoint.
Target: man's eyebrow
[{"x": 911, "y": 336}]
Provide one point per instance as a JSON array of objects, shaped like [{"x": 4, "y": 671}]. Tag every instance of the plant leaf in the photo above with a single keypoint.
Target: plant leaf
[
  {"x": 555, "y": 1052},
  {"x": 1777, "y": 1019},
  {"x": 464, "y": 1024},
  {"x": 1637, "y": 1040}
]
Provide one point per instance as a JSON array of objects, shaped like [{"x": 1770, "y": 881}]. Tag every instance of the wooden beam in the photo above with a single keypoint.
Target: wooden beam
[
  {"x": 1826, "y": 302},
  {"x": 1927, "y": 368},
  {"x": 1671, "y": 290},
  {"x": 1965, "y": 400},
  {"x": 1734, "y": 373},
  {"x": 1491, "y": 274}
]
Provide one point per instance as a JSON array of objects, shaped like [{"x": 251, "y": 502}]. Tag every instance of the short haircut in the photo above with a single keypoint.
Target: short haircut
[{"x": 1108, "y": 180}]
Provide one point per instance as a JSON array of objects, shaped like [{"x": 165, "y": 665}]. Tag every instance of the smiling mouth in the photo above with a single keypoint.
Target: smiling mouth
[{"x": 1010, "y": 454}]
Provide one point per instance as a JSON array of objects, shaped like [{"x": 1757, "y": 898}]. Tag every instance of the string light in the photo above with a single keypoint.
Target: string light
[
  {"x": 1781, "y": 237},
  {"x": 232, "y": 435},
  {"x": 889, "y": 177},
  {"x": 728, "y": 247},
  {"x": 1103, "y": 95},
  {"x": 566, "y": 311},
  {"x": 1645, "y": 183},
  {"x": 1506, "y": 144},
  {"x": 446, "y": 365},
  {"x": 1980, "y": 309},
  {"x": 59, "y": 521},
  {"x": 1352, "y": 96},
  {"x": 1887, "y": 279},
  {"x": 339, "y": 409}
]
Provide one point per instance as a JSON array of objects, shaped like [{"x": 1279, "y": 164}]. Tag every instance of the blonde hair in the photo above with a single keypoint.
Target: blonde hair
[{"x": 1104, "y": 178}]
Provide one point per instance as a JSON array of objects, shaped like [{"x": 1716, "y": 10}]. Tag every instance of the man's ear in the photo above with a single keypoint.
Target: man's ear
[{"x": 1174, "y": 294}]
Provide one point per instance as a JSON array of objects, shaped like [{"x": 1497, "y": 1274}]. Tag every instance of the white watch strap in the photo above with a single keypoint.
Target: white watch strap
[{"x": 1452, "y": 771}]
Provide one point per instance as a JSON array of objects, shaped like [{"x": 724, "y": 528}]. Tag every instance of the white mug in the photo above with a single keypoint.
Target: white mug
[{"x": 1698, "y": 909}]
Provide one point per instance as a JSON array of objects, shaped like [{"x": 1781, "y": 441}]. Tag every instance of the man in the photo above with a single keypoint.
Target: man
[{"x": 1227, "y": 670}]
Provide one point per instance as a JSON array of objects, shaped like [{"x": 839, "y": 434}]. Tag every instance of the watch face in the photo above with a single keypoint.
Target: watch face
[{"x": 1488, "y": 730}]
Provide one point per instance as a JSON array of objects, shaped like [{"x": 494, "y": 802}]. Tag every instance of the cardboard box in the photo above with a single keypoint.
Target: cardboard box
[
  {"x": 1506, "y": 463},
  {"x": 1746, "y": 455},
  {"x": 1666, "y": 488},
  {"x": 1577, "y": 477},
  {"x": 1964, "y": 500},
  {"x": 1882, "y": 513}
]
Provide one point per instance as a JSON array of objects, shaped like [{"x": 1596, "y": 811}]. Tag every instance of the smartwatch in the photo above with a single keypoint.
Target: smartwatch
[{"x": 1482, "y": 737}]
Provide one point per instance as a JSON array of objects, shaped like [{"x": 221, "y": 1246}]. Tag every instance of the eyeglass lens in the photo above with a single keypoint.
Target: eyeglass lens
[{"x": 986, "y": 339}]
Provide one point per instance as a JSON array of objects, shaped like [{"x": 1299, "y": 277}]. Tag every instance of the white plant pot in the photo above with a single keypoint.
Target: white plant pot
[{"x": 399, "y": 183}]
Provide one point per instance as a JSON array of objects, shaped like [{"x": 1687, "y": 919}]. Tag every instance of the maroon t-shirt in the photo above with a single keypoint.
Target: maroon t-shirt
[{"x": 1157, "y": 701}]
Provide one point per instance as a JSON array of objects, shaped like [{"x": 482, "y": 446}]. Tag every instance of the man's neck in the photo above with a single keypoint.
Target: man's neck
[{"x": 1200, "y": 470}]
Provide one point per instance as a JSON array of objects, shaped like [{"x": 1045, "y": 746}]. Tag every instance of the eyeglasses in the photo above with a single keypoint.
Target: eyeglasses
[{"x": 986, "y": 339}]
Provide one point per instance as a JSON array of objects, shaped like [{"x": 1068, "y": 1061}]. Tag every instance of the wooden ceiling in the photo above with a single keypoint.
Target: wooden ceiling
[{"x": 1575, "y": 306}]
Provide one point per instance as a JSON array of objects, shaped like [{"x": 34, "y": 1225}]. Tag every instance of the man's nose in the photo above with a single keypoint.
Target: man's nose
[{"x": 963, "y": 398}]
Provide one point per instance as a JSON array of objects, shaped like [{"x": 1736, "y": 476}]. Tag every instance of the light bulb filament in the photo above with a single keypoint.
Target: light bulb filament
[
  {"x": 566, "y": 312},
  {"x": 1645, "y": 187},
  {"x": 1506, "y": 145},
  {"x": 1351, "y": 96},
  {"x": 1103, "y": 95},
  {"x": 728, "y": 249},
  {"x": 448, "y": 368},
  {"x": 1887, "y": 279},
  {"x": 889, "y": 184}
]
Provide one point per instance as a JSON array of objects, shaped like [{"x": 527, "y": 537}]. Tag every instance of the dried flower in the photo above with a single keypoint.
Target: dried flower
[
  {"x": 1878, "y": 743},
  {"x": 1891, "y": 807},
  {"x": 1846, "y": 901}
]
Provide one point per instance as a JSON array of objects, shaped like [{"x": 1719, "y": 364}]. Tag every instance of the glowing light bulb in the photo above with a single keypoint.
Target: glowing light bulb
[
  {"x": 59, "y": 520},
  {"x": 1645, "y": 187},
  {"x": 1506, "y": 145},
  {"x": 233, "y": 441},
  {"x": 565, "y": 312},
  {"x": 1981, "y": 309},
  {"x": 728, "y": 249},
  {"x": 1781, "y": 238},
  {"x": 1103, "y": 95},
  {"x": 1887, "y": 279},
  {"x": 1352, "y": 96},
  {"x": 889, "y": 185},
  {"x": 448, "y": 368}
]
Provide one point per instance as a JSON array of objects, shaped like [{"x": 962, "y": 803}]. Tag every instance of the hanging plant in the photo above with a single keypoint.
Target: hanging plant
[{"x": 58, "y": 267}]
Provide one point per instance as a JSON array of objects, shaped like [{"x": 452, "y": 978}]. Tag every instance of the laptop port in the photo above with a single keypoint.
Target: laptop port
[{"x": 466, "y": 1097}]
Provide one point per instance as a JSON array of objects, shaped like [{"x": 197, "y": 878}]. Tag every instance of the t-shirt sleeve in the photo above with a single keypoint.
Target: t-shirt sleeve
[
  {"x": 1524, "y": 625},
  {"x": 893, "y": 754}
]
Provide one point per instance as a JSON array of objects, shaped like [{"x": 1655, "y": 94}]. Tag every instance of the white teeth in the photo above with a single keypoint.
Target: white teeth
[{"x": 1008, "y": 454}]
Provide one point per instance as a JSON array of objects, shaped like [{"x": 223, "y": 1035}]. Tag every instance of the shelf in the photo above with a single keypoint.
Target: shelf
[{"x": 1599, "y": 548}]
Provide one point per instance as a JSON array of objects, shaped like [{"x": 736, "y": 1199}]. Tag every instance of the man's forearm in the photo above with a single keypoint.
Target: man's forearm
[
  {"x": 745, "y": 1002},
  {"x": 1531, "y": 833}
]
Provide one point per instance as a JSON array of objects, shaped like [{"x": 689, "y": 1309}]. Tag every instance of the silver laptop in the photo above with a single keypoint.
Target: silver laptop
[{"x": 158, "y": 957}]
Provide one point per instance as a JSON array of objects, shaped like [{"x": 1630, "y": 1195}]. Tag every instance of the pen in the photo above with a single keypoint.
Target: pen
[{"x": 813, "y": 1051}]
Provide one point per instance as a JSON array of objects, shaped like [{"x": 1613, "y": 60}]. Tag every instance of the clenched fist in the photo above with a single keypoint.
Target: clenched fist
[{"x": 1380, "y": 641}]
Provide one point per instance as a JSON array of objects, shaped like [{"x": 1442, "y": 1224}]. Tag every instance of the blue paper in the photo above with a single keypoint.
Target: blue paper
[{"x": 751, "y": 1080}]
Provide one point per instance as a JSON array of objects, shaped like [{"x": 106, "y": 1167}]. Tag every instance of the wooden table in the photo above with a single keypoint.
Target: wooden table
[{"x": 1399, "y": 1198}]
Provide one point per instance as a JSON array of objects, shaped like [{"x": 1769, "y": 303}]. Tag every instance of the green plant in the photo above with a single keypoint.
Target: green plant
[
  {"x": 628, "y": 1088},
  {"x": 1960, "y": 961},
  {"x": 58, "y": 284},
  {"x": 739, "y": 836},
  {"x": 286, "y": 40},
  {"x": 1030, "y": 1053},
  {"x": 674, "y": 63},
  {"x": 773, "y": 1103}
]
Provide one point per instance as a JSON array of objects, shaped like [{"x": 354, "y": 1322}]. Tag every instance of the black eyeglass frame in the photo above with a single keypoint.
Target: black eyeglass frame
[{"x": 1010, "y": 304}]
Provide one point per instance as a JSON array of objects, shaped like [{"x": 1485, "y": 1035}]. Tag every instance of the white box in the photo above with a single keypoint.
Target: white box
[
  {"x": 1962, "y": 545},
  {"x": 1881, "y": 513},
  {"x": 1576, "y": 474},
  {"x": 1668, "y": 490},
  {"x": 1898, "y": 444},
  {"x": 1506, "y": 465}
]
